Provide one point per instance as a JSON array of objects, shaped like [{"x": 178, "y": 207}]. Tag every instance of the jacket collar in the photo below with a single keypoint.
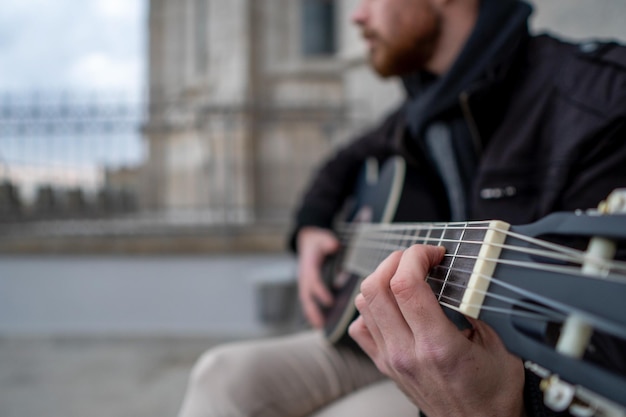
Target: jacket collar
[{"x": 486, "y": 58}]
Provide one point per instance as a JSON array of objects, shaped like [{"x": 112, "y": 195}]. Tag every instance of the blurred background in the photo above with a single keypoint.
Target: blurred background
[{"x": 152, "y": 153}]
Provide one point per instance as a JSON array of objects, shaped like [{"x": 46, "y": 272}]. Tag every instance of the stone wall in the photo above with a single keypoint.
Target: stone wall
[{"x": 239, "y": 126}]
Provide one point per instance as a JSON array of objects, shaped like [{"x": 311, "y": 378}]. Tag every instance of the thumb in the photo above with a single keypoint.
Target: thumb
[{"x": 329, "y": 243}]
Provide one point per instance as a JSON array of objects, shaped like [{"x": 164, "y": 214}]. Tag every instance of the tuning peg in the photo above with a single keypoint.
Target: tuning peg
[
  {"x": 557, "y": 394},
  {"x": 614, "y": 203},
  {"x": 578, "y": 401}
]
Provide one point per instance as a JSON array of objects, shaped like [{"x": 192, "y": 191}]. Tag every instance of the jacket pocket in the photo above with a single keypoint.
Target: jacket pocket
[{"x": 511, "y": 195}]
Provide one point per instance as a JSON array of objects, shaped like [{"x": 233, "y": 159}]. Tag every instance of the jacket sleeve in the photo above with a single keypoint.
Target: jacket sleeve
[
  {"x": 333, "y": 182},
  {"x": 599, "y": 76},
  {"x": 600, "y": 170}
]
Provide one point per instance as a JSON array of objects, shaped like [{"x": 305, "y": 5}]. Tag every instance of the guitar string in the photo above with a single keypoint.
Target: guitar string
[
  {"x": 511, "y": 301},
  {"x": 538, "y": 242},
  {"x": 558, "y": 313},
  {"x": 568, "y": 269},
  {"x": 387, "y": 229},
  {"x": 556, "y": 253},
  {"x": 559, "y": 269},
  {"x": 572, "y": 255},
  {"x": 541, "y": 313},
  {"x": 374, "y": 244},
  {"x": 522, "y": 264},
  {"x": 600, "y": 323},
  {"x": 395, "y": 227}
]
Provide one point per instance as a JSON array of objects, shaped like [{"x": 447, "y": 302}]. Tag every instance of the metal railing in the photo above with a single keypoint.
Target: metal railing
[
  {"x": 69, "y": 157},
  {"x": 58, "y": 149}
]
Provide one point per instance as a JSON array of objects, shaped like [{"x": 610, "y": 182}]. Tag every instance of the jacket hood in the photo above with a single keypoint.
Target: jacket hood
[{"x": 492, "y": 43}]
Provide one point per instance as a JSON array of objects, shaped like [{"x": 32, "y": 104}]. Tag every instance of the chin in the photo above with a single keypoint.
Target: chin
[
  {"x": 381, "y": 67},
  {"x": 383, "y": 74},
  {"x": 386, "y": 71},
  {"x": 392, "y": 65}
]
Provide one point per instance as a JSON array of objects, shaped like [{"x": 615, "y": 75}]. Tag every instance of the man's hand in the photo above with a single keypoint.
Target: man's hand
[
  {"x": 314, "y": 244},
  {"x": 444, "y": 371}
]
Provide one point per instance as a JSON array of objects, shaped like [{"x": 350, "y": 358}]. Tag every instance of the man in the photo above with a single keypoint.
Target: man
[{"x": 497, "y": 125}]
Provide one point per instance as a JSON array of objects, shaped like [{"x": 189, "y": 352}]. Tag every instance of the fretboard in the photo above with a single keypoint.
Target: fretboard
[{"x": 460, "y": 280}]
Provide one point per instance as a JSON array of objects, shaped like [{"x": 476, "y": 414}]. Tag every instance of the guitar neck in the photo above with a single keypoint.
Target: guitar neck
[{"x": 460, "y": 281}]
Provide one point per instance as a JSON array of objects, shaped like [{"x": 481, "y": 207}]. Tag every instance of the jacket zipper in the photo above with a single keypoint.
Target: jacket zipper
[{"x": 471, "y": 122}]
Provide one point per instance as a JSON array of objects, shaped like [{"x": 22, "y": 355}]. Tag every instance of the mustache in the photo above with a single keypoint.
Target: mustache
[{"x": 369, "y": 34}]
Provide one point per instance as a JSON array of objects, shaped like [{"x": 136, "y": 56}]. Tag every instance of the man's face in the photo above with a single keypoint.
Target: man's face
[{"x": 401, "y": 34}]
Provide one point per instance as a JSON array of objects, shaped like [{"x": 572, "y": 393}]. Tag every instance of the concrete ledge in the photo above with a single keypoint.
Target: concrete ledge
[{"x": 175, "y": 241}]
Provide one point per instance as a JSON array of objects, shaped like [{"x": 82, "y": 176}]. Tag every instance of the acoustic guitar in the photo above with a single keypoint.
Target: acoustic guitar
[{"x": 561, "y": 307}]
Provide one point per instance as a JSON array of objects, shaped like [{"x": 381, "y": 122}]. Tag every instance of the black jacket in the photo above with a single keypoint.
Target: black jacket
[
  {"x": 549, "y": 124},
  {"x": 546, "y": 119}
]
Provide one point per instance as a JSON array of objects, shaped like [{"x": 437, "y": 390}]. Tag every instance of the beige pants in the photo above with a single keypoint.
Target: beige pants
[{"x": 292, "y": 376}]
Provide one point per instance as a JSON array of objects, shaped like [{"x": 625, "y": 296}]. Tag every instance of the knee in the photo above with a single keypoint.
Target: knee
[
  {"x": 225, "y": 367},
  {"x": 212, "y": 366},
  {"x": 210, "y": 386}
]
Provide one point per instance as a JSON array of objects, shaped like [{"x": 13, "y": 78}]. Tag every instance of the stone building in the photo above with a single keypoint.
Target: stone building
[{"x": 246, "y": 97}]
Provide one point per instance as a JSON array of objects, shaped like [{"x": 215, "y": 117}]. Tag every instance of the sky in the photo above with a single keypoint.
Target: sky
[{"x": 77, "y": 45}]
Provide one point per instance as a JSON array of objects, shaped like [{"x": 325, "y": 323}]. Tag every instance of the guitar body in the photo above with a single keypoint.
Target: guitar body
[
  {"x": 376, "y": 199},
  {"x": 385, "y": 194}
]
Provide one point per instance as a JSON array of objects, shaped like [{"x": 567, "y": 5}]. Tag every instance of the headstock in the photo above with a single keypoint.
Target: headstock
[{"x": 576, "y": 331}]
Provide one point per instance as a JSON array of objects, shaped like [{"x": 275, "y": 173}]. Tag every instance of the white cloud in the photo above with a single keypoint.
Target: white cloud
[
  {"x": 69, "y": 44},
  {"x": 118, "y": 9},
  {"x": 97, "y": 70}
]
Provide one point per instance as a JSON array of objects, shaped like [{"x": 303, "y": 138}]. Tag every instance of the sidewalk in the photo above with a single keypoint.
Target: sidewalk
[
  {"x": 116, "y": 336},
  {"x": 95, "y": 377}
]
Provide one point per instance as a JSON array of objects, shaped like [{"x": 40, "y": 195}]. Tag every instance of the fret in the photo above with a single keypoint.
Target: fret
[
  {"x": 424, "y": 234},
  {"x": 435, "y": 234},
  {"x": 385, "y": 249},
  {"x": 376, "y": 255},
  {"x": 405, "y": 240},
  {"x": 354, "y": 261},
  {"x": 440, "y": 274},
  {"x": 413, "y": 237},
  {"x": 456, "y": 274}
]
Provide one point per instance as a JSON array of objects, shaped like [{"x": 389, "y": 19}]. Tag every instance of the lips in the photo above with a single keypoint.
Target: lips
[
  {"x": 368, "y": 34},
  {"x": 370, "y": 38}
]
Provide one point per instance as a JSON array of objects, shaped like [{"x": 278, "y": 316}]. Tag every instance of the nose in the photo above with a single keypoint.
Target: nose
[{"x": 359, "y": 15}]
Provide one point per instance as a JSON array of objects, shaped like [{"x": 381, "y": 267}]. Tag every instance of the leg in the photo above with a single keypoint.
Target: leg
[
  {"x": 289, "y": 376},
  {"x": 382, "y": 398}
]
